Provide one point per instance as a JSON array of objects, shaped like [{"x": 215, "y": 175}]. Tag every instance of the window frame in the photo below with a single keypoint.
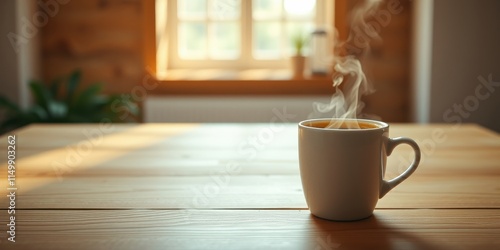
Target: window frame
[
  {"x": 233, "y": 86},
  {"x": 246, "y": 61}
]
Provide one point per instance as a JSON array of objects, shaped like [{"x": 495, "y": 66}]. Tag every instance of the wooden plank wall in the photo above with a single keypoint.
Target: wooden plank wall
[
  {"x": 387, "y": 65},
  {"x": 105, "y": 39},
  {"x": 101, "y": 37}
]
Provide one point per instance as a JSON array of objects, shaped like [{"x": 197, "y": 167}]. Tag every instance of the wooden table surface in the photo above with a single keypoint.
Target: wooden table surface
[{"x": 236, "y": 186}]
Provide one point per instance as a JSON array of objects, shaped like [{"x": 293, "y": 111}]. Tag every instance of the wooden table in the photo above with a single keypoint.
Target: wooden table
[{"x": 237, "y": 186}]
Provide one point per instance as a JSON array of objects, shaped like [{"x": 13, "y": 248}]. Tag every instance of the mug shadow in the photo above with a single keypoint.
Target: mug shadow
[{"x": 369, "y": 233}]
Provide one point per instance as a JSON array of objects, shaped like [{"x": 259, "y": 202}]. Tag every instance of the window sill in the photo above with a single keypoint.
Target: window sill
[{"x": 245, "y": 82}]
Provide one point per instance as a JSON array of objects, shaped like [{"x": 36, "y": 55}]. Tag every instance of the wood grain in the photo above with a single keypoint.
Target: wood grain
[
  {"x": 221, "y": 190},
  {"x": 190, "y": 186},
  {"x": 254, "y": 229},
  {"x": 155, "y": 161},
  {"x": 440, "y": 136},
  {"x": 102, "y": 38},
  {"x": 149, "y": 35},
  {"x": 190, "y": 149}
]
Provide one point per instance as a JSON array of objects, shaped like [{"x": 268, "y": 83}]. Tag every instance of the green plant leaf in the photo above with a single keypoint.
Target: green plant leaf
[
  {"x": 54, "y": 87},
  {"x": 41, "y": 94},
  {"x": 99, "y": 102},
  {"x": 62, "y": 102},
  {"x": 92, "y": 107},
  {"x": 133, "y": 108},
  {"x": 57, "y": 110},
  {"x": 299, "y": 40},
  {"x": 18, "y": 120},
  {"x": 73, "y": 81},
  {"x": 37, "y": 113},
  {"x": 118, "y": 105},
  {"x": 86, "y": 97},
  {"x": 10, "y": 106},
  {"x": 11, "y": 123}
]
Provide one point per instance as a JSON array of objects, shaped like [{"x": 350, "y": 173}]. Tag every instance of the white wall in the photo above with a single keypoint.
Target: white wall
[
  {"x": 9, "y": 76},
  {"x": 17, "y": 67},
  {"x": 421, "y": 60},
  {"x": 465, "y": 46},
  {"x": 230, "y": 109}
]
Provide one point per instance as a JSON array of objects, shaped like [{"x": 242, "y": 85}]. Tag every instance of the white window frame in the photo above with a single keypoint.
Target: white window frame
[{"x": 167, "y": 57}]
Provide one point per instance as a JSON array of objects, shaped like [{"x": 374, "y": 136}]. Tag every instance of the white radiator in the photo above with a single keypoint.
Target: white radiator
[{"x": 228, "y": 109}]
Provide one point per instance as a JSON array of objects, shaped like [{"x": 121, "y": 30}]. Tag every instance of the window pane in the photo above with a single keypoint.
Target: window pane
[
  {"x": 225, "y": 40},
  {"x": 267, "y": 40},
  {"x": 225, "y": 9},
  {"x": 295, "y": 30},
  {"x": 266, "y": 9},
  {"x": 192, "y": 40},
  {"x": 299, "y": 9},
  {"x": 191, "y": 9}
]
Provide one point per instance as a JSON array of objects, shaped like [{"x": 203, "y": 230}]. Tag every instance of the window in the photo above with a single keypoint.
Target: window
[{"x": 233, "y": 34}]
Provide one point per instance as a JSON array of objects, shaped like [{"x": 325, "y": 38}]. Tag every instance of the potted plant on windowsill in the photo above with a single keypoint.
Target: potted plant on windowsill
[{"x": 299, "y": 40}]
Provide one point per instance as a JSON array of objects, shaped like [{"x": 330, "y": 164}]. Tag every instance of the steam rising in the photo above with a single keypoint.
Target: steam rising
[{"x": 349, "y": 80}]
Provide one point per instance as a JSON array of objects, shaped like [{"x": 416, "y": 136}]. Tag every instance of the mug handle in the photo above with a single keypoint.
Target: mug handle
[{"x": 390, "y": 145}]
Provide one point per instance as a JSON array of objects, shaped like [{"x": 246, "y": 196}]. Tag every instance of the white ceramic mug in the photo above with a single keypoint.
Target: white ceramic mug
[{"x": 342, "y": 170}]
